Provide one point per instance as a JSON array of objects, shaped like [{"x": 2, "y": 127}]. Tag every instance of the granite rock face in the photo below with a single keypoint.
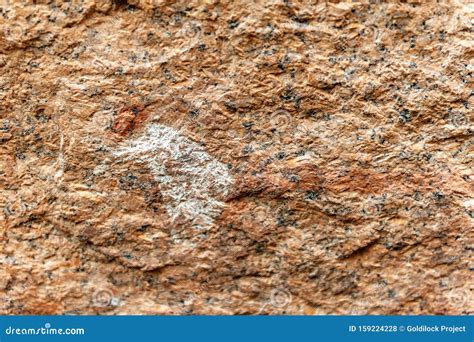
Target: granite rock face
[{"x": 236, "y": 157}]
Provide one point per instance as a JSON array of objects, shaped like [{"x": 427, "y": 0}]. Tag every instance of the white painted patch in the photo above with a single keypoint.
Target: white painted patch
[
  {"x": 60, "y": 161},
  {"x": 193, "y": 184}
]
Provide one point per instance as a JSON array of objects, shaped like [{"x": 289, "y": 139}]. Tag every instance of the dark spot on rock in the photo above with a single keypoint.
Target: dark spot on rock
[
  {"x": 232, "y": 24},
  {"x": 293, "y": 178},
  {"x": 247, "y": 150},
  {"x": 193, "y": 113},
  {"x": 288, "y": 95},
  {"x": 404, "y": 115},
  {"x": 231, "y": 107},
  {"x": 437, "y": 195},
  {"x": 280, "y": 155},
  {"x": 311, "y": 195}
]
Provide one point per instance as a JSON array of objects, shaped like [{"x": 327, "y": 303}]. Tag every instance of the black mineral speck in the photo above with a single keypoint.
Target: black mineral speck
[
  {"x": 247, "y": 124},
  {"x": 232, "y": 24},
  {"x": 311, "y": 195},
  {"x": 5, "y": 126},
  {"x": 404, "y": 115},
  {"x": 230, "y": 106},
  {"x": 193, "y": 113},
  {"x": 281, "y": 155},
  {"x": 437, "y": 195}
]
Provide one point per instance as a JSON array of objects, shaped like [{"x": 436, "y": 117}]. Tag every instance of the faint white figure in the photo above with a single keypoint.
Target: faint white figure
[{"x": 193, "y": 184}]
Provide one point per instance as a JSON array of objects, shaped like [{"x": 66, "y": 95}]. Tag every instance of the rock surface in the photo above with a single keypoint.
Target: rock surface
[{"x": 236, "y": 157}]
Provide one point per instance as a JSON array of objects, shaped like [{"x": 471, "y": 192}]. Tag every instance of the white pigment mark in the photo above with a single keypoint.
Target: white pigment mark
[
  {"x": 193, "y": 184},
  {"x": 59, "y": 174}
]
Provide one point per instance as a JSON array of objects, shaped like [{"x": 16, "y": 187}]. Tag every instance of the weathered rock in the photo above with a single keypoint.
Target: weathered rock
[{"x": 207, "y": 157}]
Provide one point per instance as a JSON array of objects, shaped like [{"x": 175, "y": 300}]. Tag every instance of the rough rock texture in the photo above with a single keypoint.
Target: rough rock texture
[{"x": 236, "y": 157}]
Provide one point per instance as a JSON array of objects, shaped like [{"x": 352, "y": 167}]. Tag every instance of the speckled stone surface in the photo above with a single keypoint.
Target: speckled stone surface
[{"x": 236, "y": 157}]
